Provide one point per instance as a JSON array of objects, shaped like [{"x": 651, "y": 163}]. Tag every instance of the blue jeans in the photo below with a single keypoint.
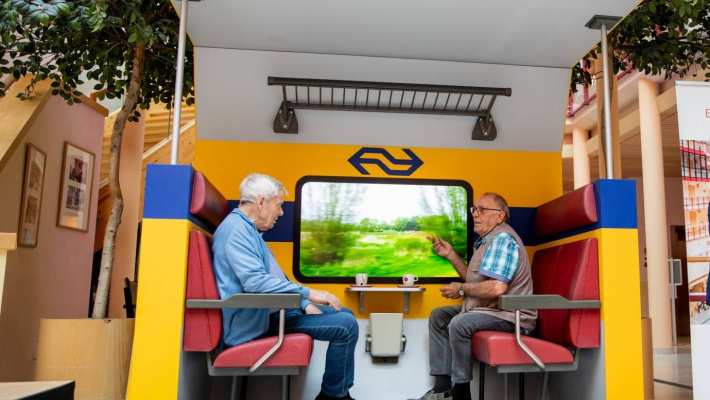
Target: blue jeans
[{"x": 337, "y": 327}]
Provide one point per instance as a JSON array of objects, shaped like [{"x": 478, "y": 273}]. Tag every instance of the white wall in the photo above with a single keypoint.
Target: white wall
[{"x": 235, "y": 102}]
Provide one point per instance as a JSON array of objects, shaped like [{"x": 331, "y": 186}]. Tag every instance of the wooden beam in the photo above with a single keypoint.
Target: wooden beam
[
  {"x": 8, "y": 241},
  {"x": 16, "y": 116}
]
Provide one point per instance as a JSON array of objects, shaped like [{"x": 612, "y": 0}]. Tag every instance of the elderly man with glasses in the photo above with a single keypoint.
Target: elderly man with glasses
[{"x": 499, "y": 266}]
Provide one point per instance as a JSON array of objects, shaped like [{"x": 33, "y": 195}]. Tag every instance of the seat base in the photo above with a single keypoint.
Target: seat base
[
  {"x": 500, "y": 348},
  {"x": 242, "y": 371}
]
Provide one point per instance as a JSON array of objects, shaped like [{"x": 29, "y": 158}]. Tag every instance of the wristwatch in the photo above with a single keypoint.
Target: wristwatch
[{"x": 461, "y": 293}]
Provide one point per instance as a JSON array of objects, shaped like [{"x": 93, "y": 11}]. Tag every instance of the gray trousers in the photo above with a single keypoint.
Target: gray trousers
[{"x": 450, "y": 333}]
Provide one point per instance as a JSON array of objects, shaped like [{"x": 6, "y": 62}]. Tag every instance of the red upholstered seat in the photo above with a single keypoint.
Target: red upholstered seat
[
  {"x": 573, "y": 210},
  {"x": 295, "y": 352},
  {"x": 203, "y": 327},
  {"x": 570, "y": 270},
  {"x": 207, "y": 203},
  {"x": 499, "y": 348}
]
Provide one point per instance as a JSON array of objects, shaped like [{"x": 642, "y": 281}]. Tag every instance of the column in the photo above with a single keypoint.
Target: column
[
  {"x": 656, "y": 226},
  {"x": 616, "y": 144},
  {"x": 580, "y": 157}
]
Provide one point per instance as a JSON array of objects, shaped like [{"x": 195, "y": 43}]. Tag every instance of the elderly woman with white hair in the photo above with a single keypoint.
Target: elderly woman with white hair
[{"x": 244, "y": 264}]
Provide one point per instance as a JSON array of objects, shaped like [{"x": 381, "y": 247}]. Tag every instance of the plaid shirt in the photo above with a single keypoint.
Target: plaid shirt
[{"x": 501, "y": 259}]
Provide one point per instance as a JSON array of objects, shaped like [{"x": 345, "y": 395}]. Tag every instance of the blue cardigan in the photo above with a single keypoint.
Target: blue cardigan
[{"x": 244, "y": 264}]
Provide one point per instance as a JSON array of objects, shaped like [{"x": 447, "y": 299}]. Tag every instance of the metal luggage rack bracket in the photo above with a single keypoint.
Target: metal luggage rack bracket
[{"x": 324, "y": 94}]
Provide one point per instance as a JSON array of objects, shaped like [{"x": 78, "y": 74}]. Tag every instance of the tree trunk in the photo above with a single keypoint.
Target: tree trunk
[{"x": 101, "y": 300}]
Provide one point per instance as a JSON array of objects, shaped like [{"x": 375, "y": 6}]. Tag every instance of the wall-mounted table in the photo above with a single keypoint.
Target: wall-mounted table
[{"x": 404, "y": 290}]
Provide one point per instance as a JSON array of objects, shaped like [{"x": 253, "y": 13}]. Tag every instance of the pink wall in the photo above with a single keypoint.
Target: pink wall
[{"x": 51, "y": 280}]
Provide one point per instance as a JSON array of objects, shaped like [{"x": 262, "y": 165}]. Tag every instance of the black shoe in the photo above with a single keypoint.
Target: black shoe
[
  {"x": 323, "y": 396},
  {"x": 461, "y": 391}
]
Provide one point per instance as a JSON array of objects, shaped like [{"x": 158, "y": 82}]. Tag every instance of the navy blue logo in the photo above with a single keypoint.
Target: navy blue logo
[{"x": 361, "y": 157}]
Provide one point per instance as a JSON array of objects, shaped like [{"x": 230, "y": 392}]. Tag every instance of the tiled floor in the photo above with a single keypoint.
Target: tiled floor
[{"x": 673, "y": 366}]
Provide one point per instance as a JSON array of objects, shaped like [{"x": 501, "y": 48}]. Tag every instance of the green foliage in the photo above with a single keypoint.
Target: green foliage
[
  {"x": 59, "y": 40},
  {"x": 384, "y": 254},
  {"x": 659, "y": 37}
]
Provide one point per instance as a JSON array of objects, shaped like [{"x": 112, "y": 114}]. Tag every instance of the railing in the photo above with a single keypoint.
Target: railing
[{"x": 158, "y": 153}]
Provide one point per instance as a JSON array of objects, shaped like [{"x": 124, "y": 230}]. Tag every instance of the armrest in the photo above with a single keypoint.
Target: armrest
[
  {"x": 545, "y": 302},
  {"x": 250, "y": 300}
]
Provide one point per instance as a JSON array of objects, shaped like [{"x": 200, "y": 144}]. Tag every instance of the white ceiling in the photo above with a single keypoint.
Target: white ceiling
[{"x": 548, "y": 33}]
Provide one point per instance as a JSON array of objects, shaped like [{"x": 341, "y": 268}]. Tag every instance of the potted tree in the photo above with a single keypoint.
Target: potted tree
[{"x": 128, "y": 49}]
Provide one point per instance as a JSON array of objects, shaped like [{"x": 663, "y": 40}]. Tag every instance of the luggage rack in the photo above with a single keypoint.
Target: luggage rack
[{"x": 324, "y": 94}]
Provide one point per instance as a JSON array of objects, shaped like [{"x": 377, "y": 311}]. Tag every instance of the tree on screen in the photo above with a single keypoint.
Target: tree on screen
[
  {"x": 447, "y": 215},
  {"x": 328, "y": 232}
]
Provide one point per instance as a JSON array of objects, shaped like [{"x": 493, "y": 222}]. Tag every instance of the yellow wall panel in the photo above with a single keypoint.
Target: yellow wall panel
[
  {"x": 526, "y": 179},
  {"x": 157, "y": 341}
]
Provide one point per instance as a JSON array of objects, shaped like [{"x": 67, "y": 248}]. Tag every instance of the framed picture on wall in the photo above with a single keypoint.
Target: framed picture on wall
[
  {"x": 31, "y": 203},
  {"x": 77, "y": 177}
]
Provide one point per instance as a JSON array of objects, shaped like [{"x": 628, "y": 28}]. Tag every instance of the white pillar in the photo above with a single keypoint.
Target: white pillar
[
  {"x": 580, "y": 157},
  {"x": 656, "y": 225}
]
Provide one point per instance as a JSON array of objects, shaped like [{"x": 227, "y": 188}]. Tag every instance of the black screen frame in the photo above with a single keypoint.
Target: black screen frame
[{"x": 356, "y": 179}]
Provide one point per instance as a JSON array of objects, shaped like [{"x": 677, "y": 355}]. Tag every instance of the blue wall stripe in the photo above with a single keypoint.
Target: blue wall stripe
[
  {"x": 168, "y": 189},
  {"x": 616, "y": 207}
]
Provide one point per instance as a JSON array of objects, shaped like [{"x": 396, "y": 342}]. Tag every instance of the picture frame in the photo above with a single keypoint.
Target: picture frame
[
  {"x": 75, "y": 191},
  {"x": 31, "y": 201}
]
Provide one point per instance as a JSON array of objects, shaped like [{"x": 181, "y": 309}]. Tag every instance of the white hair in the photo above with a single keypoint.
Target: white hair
[{"x": 259, "y": 185}]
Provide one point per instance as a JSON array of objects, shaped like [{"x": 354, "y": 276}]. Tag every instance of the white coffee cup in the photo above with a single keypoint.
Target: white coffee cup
[
  {"x": 361, "y": 279},
  {"x": 409, "y": 279}
]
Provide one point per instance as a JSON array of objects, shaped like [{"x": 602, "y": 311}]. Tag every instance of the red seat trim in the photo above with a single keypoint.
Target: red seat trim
[
  {"x": 499, "y": 348},
  {"x": 207, "y": 203},
  {"x": 573, "y": 210},
  {"x": 203, "y": 327},
  {"x": 294, "y": 352}
]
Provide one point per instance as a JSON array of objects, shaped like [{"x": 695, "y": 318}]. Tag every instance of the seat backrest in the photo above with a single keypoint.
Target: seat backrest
[
  {"x": 203, "y": 327},
  {"x": 207, "y": 203},
  {"x": 570, "y": 270},
  {"x": 573, "y": 210}
]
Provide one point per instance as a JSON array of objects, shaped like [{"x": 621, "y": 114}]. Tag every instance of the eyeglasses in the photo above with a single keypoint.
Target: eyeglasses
[{"x": 482, "y": 209}]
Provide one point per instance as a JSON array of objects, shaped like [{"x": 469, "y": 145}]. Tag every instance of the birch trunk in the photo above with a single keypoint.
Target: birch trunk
[{"x": 101, "y": 300}]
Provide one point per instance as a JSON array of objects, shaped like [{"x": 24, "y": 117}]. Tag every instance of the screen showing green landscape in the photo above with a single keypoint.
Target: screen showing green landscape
[{"x": 379, "y": 228}]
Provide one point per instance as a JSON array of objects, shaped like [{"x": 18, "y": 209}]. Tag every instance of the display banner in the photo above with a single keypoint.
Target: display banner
[{"x": 693, "y": 104}]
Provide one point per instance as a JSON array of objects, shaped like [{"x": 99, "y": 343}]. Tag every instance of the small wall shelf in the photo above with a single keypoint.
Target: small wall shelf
[{"x": 405, "y": 291}]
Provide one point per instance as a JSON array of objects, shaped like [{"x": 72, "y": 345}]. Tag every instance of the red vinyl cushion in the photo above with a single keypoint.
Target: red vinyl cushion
[
  {"x": 207, "y": 203},
  {"x": 294, "y": 352},
  {"x": 573, "y": 210},
  {"x": 203, "y": 327},
  {"x": 499, "y": 348},
  {"x": 570, "y": 270}
]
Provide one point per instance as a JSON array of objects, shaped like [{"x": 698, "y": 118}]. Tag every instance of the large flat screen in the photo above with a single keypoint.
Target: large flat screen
[{"x": 346, "y": 226}]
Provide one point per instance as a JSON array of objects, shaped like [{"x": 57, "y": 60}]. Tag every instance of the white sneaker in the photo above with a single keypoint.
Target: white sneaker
[{"x": 432, "y": 395}]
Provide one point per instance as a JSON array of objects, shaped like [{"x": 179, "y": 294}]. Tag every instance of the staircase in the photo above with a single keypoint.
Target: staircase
[
  {"x": 156, "y": 150},
  {"x": 158, "y": 126}
]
